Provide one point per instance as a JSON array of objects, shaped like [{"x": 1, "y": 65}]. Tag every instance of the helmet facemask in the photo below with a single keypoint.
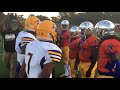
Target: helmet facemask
[
  {"x": 82, "y": 31},
  {"x": 64, "y": 26},
  {"x": 74, "y": 31},
  {"x": 109, "y": 32},
  {"x": 88, "y": 31}
]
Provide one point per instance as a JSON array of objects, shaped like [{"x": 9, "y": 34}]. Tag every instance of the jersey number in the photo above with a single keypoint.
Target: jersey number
[{"x": 30, "y": 54}]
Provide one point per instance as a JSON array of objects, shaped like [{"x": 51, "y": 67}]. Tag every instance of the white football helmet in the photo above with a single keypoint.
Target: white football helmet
[
  {"x": 74, "y": 30},
  {"x": 105, "y": 25},
  {"x": 86, "y": 25},
  {"x": 65, "y": 24}
]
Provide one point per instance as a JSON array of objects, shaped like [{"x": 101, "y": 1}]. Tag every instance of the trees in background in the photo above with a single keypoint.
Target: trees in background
[
  {"x": 75, "y": 18},
  {"x": 78, "y": 17},
  {"x": 2, "y": 15},
  {"x": 41, "y": 17}
]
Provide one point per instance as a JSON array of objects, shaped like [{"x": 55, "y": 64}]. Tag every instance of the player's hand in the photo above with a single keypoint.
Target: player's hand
[{"x": 88, "y": 73}]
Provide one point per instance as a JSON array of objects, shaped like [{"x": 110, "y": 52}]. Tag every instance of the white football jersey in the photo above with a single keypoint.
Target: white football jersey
[
  {"x": 38, "y": 54},
  {"x": 22, "y": 39}
]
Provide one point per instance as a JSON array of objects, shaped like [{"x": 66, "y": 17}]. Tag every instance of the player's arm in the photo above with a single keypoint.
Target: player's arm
[
  {"x": 77, "y": 61},
  {"x": 21, "y": 26},
  {"x": 94, "y": 57},
  {"x": 52, "y": 57},
  {"x": 23, "y": 49},
  {"x": 2, "y": 24},
  {"x": 47, "y": 69},
  {"x": 22, "y": 73},
  {"x": 58, "y": 41},
  {"x": 17, "y": 45}
]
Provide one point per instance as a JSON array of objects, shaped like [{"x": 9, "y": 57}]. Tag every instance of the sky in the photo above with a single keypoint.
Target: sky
[{"x": 26, "y": 14}]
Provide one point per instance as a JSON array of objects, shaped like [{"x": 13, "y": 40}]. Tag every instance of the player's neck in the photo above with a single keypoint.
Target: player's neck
[
  {"x": 32, "y": 32},
  {"x": 45, "y": 41}
]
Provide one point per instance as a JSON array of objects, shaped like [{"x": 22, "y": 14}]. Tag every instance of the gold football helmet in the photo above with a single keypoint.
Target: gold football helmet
[
  {"x": 46, "y": 30},
  {"x": 31, "y": 23}
]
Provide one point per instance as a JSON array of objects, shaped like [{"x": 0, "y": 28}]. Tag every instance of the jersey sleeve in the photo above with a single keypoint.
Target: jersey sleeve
[
  {"x": 45, "y": 58},
  {"x": 17, "y": 44},
  {"x": 26, "y": 40},
  {"x": 55, "y": 55}
]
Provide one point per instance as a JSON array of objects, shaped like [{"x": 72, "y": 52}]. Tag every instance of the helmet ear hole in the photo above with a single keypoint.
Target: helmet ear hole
[{"x": 50, "y": 35}]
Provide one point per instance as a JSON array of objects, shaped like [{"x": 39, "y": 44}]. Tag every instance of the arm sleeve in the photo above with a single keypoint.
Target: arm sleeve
[
  {"x": 29, "y": 38},
  {"x": 47, "y": 58},
  {"x": 17, "y": 45},
  {"x": 55, "y": 55}
]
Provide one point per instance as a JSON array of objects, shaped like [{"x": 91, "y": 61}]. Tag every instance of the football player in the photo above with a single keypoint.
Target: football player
[
  {"x": 64, "y": 43},
  {"x": 74, "y": 33},
  {"x": 88, "y": 51},
  {"x": 74, "y": 49},
  {"x": 26, "y": 36},
  {"x": 109, "y": 51},
  {"x": 42, "y": 54}
]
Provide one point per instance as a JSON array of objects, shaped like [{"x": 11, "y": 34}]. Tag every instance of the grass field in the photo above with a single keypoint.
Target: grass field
[{"x": 4, "y": 73}]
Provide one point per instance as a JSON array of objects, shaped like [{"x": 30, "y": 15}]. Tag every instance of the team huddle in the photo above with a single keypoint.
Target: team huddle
[{"x": 82, "y": 49}]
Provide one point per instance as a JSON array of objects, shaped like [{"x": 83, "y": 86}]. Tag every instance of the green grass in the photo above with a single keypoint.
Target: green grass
[
  {"x": 4, "y": 73},
  {"x": 59, "y": 70},
  {"x": 117, "y": 34}
]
